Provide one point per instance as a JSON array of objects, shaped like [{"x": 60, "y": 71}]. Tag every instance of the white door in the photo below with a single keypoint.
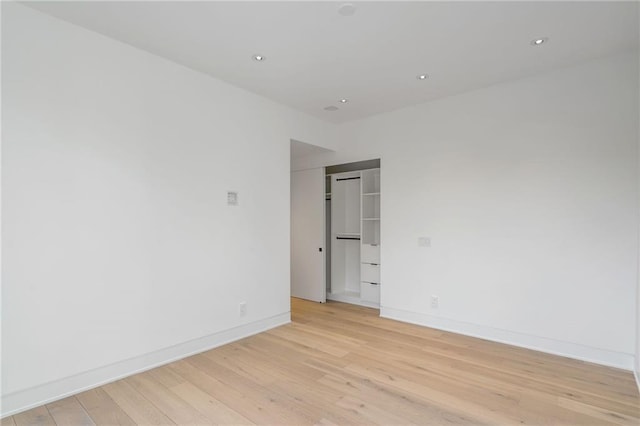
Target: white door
[{"x": 307, "y": 235}]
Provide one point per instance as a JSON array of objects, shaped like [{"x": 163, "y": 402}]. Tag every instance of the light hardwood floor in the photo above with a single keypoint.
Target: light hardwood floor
[{"x": 342, "y": 364}]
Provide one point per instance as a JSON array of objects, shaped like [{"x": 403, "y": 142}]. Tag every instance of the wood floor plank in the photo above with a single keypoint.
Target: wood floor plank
[
  {"x": 394, "y": 400},
  {"x": 448, "y": 400},
  {"x": 340, "y": 364},
  {"x": 135, "y": 404},
  {"x": 212, "y": 386},
  {"x": 596, "y": 412},
  {"x": 38, "y": 416},
  {"x": 518, "y": 404},
  {"x": 371, "y": 411},
  {"x": 171, "y": 405},
  {"x": 320, "y": 402},
  {"x": 69, "y": 411},
  {"x": 256, "y": 405},
  {"x": 7, "y": 421},
  {"x": 102, "y": 409},
  {"x": 209, "y": 406},
  {"x": 271, "y": 403}
]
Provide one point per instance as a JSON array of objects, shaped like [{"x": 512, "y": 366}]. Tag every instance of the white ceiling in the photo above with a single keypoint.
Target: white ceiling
[{"x": 316, "y": 56}]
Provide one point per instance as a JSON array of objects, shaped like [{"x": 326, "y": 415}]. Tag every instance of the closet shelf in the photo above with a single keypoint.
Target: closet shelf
[{"x": 370, "y": 193}]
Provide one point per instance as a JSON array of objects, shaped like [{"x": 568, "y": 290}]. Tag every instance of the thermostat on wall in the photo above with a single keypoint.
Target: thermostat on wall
[{"x": 232, "y": 198}]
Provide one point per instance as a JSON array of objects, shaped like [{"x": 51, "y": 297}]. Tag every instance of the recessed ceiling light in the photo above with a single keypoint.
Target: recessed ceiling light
[
  {"x": 258, "y": 58},
  {"x": 539, "y": 41},
  {"x": 422, "y": 76},
  {"x": 331, "y": 108},
  {"x": 347, "y": 9},
  {"x": 344, "y": 100}
]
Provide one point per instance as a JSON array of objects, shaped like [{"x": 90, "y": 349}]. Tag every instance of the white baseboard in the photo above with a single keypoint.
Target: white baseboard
[
  {"x": 25, "y": 399},
  {"x": 637, "y": 376},
  {"x": 567, "y": 349},
  {"x": 337, "y": 297}
]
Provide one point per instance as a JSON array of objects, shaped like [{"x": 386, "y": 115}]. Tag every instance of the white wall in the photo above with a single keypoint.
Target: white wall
[
  {"x": 119, "y": 251},
  {"x": 528, "y": 191},
  {"x": 637, "y": 364}
]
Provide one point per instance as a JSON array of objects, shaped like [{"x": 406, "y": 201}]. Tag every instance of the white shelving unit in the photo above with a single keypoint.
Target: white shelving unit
[
  {"x": 355, "y": 238},
  {"x": 370, "y": 238}
]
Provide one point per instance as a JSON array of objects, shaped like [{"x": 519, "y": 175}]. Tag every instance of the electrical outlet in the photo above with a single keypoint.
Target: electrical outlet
[
  {"x": 435, "y": 301},
  {"x": 424, "y": 242},
  {"x": 242, "y": 309}
]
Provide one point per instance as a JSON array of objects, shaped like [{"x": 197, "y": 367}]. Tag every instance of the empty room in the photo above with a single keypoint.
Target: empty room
[{"x": 320, "y": 213}]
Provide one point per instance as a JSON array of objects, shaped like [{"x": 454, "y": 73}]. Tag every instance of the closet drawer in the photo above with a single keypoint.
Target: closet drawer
[
  {"x": 370, "y": 253},
  {"x": 370, "y": 292},
  {"x": 370, "y": 273}
]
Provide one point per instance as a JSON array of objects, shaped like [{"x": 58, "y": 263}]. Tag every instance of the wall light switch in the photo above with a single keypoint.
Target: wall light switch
[
  {"x": 435, "y": 301},
  {"x": 424, "y": 242},
  {"x": 232, "y": 198}
]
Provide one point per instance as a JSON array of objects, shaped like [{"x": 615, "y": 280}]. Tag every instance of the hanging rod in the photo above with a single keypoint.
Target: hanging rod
[
  {"x": 351, "y": 178},
  {"x": 348, "y": 238}
]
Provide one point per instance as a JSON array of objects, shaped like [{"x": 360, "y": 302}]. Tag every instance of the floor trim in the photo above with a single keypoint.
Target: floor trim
[
  {"x": 556, "y": 347},
  {"x": 637, "y": 376},
  {"x": 337, "y": 297},
  {"x": 25, "y": 399}
]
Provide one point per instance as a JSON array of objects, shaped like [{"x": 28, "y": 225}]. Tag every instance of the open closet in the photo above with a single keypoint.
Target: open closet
[{"x": 353, "y": 233}]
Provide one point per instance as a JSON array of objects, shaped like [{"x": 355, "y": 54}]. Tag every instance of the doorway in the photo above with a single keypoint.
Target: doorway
[
  {"x": 335, "y": 232},
  {"x": 352, "y": 233}
]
